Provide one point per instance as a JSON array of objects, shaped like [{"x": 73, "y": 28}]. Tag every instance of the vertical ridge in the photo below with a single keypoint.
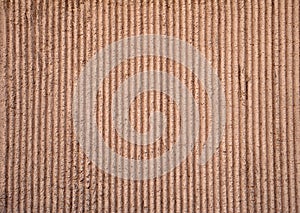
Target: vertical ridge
[{"x": 296, "y": 104}]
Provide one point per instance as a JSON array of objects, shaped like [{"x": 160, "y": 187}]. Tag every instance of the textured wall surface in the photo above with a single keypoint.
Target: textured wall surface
[{"x": 253, "y": 46}]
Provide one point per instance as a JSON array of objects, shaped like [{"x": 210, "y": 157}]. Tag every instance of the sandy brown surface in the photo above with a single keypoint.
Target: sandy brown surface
[{"x": 253, "y": 46}]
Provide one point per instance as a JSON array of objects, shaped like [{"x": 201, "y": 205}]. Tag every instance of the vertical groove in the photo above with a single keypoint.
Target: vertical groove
[
  {"x": 59, "y": 77},
  {"x": 250, "y": 156},
  {"x": 72, "y": 67},
  {"x": 16, "y": 106},
  {"x": 255, "y": 104},
  {"x": 206, "y": 179},
  {"x": 11, "y": 107},
  {"x": 280, "y": 128},
  {"x": 84, "y": 50},
  {"x": 39, "y": 106},
  {"x": 290, "y": 121},
  {"x": 222, "y": 69},
  {"x": 18, "y": 69},
  {"x": 46, "y": 109},
  {"x": 102, "y": 111},
  {"x": 226, "y": 135},
  {"x": 277, "y": 107},
  {"x": 65, "y": 103},
  {"x": 51, "y": 117},
  {"x": 230, "y": 151},
  {"x": 296, "y": 93},
  {"x": 274, "y": 100},
  {"x": 271, "y": 176},
  {"x": 97, "y": 194},
  {"x": 7, "y": 104},
  {"x": 78, "y": 54}
]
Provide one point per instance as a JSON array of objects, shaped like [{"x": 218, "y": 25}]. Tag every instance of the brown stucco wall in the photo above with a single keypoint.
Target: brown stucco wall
[{"x": 252, "y": 45}]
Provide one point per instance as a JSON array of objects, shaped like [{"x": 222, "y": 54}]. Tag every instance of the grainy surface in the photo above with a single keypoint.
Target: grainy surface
[{"x": 254, "y": 47}]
